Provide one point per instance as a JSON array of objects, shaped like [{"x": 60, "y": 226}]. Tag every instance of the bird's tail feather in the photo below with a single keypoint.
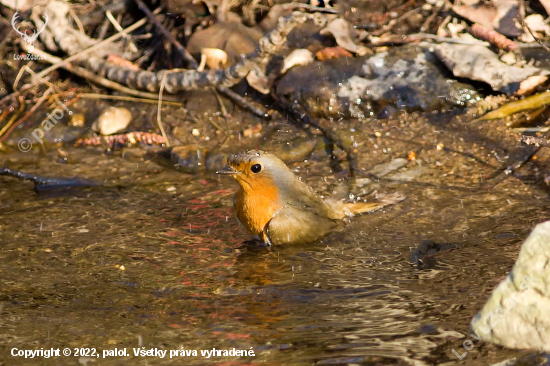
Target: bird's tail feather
[{"x": 356, "y": 208}]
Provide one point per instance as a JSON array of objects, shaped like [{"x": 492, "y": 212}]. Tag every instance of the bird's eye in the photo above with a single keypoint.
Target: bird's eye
[{"x": 256, "y": 168}]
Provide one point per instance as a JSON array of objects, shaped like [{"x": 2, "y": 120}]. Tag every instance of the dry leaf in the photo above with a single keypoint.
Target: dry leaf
[
  {"x": 500, "y": 15},
  {"x": 297, "y": 57},
  {"x": 480, "y": 63},
  {"x": 332, "y": 52},
  {"x": 340, "y": 30},
  {"x": 529, "y": 85}
]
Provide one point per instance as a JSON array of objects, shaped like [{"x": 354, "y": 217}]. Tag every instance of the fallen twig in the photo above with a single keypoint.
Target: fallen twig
[
  {"x": 125, "y": 98},
  {"x": 119, "y": 28},
  {"x": 82, "y": 72},
  {"x": 6, "y": 130},
  {"x": 242, "y": 102},
  {"x": 495, "y": 38},
  {"x": 534, "y": 36},
  {"x": 98, "y": 45},
  {"x": 4, "y": 134},
  {"x": 532, "y": 102},
  {"x": 159, "y": 120}
]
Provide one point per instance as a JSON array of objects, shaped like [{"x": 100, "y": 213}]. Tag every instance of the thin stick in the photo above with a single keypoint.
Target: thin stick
[
  {"x": 125, "y": 98},
  {"x": 256, "y": 110},
  {"x": 84, "y": 73},
  {"x": 27, "y": 115},
  {"x": 20, "y": 75},
  {"x": 11, "y": 121},
  {"x": 220, "y": 102},
  {"x": 119, "y": 28},
  {"x": 184, "y": 53},
  {"x": 77, "y": 21},
  {"x": 113, "y": 38},
  {"x": 535, "y": 37},
  {"x": 162, "y": 82}
]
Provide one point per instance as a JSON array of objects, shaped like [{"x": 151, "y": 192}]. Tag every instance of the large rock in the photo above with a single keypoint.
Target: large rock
[
  {"x": 480, "y": 63},
  {"x": 407, "y": 78},
  {"x": 517, "y": 315}
]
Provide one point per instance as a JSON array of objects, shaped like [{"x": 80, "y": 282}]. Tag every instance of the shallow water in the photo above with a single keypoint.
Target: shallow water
[{"x": 155, "y": 258}]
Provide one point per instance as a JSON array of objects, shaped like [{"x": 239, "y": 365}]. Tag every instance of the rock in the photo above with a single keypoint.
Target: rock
[
  {"x": 112, "y": 120},
  {"x": 424, "y": 256},
  {"x": 407, "y": 78},
  {"x": 517, "y": 313},
  {"x": 315, "y": 86},
  {"x": 480, "y": 63},
  {"x": 191, "y": 159},
  {"x": 340, "y": 30},
  {"x": 77, "y": 120}
]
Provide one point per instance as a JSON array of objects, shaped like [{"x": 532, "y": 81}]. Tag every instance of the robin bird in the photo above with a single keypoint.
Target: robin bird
[{"x": 277, "y": 207}]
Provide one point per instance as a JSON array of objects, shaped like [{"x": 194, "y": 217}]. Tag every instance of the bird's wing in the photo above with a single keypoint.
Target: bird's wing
[
  {"x": 292, "y": 225},
  {"x": 301, "y": 197}
]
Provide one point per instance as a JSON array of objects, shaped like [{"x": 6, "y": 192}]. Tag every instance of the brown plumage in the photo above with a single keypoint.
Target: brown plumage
[{"x": 276, "y": 206}]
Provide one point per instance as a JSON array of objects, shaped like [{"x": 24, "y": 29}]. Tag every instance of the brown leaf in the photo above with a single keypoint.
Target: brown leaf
[
  {"x": 332, "y": 52},
  {"x": 498, "y": 16}
]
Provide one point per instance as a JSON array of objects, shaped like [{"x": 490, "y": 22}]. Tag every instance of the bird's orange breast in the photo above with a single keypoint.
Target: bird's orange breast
[{"x": 256, "y": 202}]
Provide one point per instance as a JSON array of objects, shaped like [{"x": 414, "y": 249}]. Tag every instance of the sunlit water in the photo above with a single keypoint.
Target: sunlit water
[{"x": 155, "y": 258}]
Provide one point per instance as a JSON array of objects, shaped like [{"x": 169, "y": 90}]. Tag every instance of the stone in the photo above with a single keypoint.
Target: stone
[
  {"x": 407, "y": 78},
  {"x": 480, "y": 63},
  {"x": 517, "y": 315},
  {"x": 112, "y": 120}
]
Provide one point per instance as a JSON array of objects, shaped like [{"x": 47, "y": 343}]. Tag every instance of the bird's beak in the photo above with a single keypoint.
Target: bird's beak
[{"x": 228, "y": 170}]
